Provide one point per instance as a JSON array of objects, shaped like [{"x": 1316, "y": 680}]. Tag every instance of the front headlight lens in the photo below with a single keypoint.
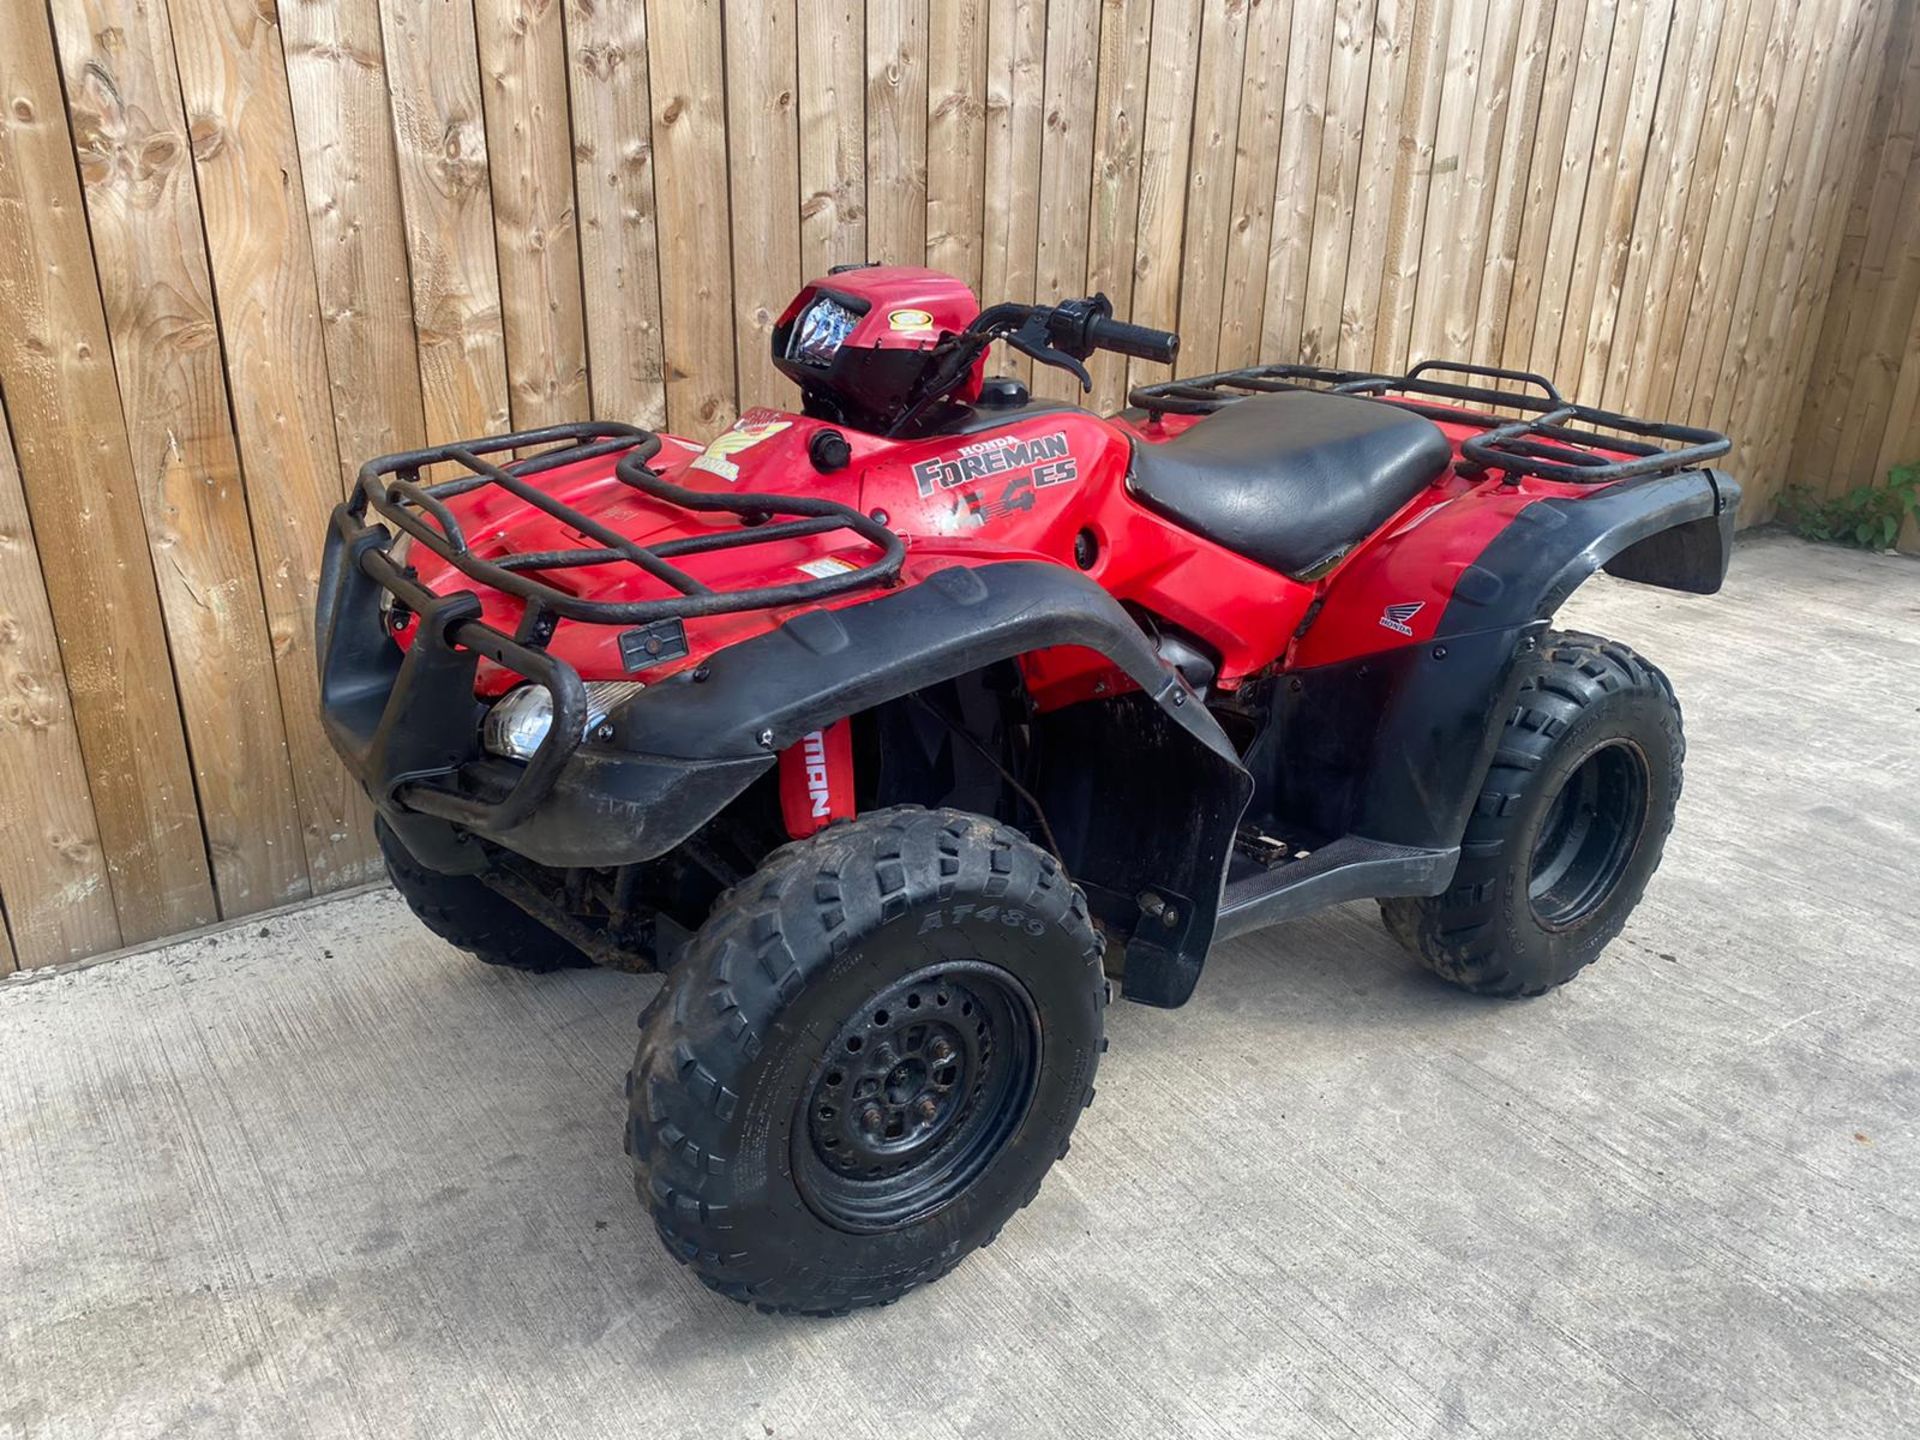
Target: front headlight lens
[
  {"x": 821, "y": 331},
  {"x": 519, "y": 722}
]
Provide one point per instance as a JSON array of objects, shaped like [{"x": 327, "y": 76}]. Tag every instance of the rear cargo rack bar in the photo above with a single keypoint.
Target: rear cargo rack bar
[
  {"x": 1555, "y": 441},
  {"x": 391, "y": 487}
]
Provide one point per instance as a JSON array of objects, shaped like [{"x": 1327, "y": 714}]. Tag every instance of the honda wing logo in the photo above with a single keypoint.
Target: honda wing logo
[{"x": 1397, "y": 616}]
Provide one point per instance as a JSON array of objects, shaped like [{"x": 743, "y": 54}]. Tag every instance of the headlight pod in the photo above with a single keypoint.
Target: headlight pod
[{"x": 520, "y": 720}]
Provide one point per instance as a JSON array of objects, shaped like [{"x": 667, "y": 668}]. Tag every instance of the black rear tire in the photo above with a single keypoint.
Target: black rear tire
[
  {"x": 466, "y": 914},
  {"x": 866, "y": 1060},
  {"x": 1567, "y": 831}
]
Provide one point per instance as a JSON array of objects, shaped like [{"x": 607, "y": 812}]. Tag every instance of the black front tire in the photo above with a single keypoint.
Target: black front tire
[
  {"x": 466, "y": 914},
  {"x": 866, "y": 1061},
  {"x": 1567, "y": 831}
]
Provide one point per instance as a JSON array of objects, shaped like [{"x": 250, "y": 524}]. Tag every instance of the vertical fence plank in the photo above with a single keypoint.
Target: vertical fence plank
[
  {"x": 1336, "y": 190},
  {"x": 690, "y": 184},
  {"x": 349, "y": 173},
  {"x": 1687, "y": 361},
  {"x": 1126, "y": 27},
  {"x": 1613, "y": 195},
  {"x": 337, "y": 76},
  {"x": 897, "y": 131},
  {"x": 1010, "y": 224},
  {"x": 130, "y": 132},
  {"x": 1390, "y": 72},
  {"x": 1506, "y": 205},
  {"x": 1447, "y": 244},
  {"x": 1165, "y": 144},
  {"x": 1756, "y": 91},
  {"x": 762, "y": 160},
  {"x": 1550, "y": 232},
  {"x": 53, "y": 873},
  {"x": 1218, "y": 78},
  {"x": 1066, "y": 167},
  {"x": 1766, "y": 289},
  {"x": 1657, "y": 361},
  {"x": 613, "y": 153},
  {"x": 1796, "y": 301},
  {"x": 1256, "y": 157},
  {"x": 523, "y": 64},
  {"x": 1755, "y": 199},
  {"x": 833, "y": 132},
  {"x": 1414, "y": 132},
  {"x": 56, "y": 371},
  {"x": 1297, "y": 182},
  {"x": 433, "y": 84},
  {"x": 1889, "y": 278},
  {"x": 1823, "y": 407},
  {"x": 1667, "y": 189},
  {"x": 956, "y": 135},
  {"x": 234, "y": 82},
  {"x": 1447, "y": 308}
]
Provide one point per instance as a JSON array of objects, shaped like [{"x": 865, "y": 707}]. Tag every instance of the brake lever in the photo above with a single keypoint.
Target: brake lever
[{"x": 1033, "y": 339}]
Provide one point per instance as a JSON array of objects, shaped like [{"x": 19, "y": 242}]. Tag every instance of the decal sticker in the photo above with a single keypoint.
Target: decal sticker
[
  {"x": 1397, "y": 616},
  {"x": 1041, "y": 462},
  {"x": 748, "y": 431},
  {"x": 826, "y": 567},
  {"x": 816, "y": 779},
  {"x": 909, "y": 320}
]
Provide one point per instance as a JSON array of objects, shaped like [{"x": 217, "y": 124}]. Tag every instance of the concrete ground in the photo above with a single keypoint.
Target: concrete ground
[{"x": 324, "y": 1176}]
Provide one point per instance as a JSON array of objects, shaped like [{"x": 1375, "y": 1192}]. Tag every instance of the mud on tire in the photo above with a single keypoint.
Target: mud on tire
[
  {"x": 466, "y": 914},
  {"x": 1567, "y": 830},
  {"x": 866, "y": 1060}
]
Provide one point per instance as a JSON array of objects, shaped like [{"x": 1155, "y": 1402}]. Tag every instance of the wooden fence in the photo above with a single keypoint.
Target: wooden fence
[
  {"x": 1862, "y": 408},
  {"x": 240, "y": 251}
]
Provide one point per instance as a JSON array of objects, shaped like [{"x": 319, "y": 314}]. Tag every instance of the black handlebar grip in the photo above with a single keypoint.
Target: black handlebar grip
[{"x": 1140, "y": 341}]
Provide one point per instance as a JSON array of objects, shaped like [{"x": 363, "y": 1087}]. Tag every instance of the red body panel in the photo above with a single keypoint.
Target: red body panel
[{"x": 1023, "y": 491}]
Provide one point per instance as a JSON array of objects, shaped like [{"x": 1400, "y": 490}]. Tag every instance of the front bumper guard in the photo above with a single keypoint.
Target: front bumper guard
[{"x": 407, "y": 725}]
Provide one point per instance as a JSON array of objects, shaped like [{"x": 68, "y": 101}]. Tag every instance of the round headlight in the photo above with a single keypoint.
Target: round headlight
[{"x": 519, "y": 722}]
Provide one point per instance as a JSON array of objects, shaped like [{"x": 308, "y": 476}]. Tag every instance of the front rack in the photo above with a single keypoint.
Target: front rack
[
  {"x": 391, "y": 487},
  {"x": 1544, "y": 443}
]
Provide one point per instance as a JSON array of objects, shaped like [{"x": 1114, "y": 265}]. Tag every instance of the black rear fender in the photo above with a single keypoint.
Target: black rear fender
[{"x": 1395, "y": 746}]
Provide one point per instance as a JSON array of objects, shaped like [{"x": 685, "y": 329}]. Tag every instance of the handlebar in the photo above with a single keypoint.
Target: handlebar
[
  {"x": 1142, "y": 342},
  {"x": 1061, "y": 335}
]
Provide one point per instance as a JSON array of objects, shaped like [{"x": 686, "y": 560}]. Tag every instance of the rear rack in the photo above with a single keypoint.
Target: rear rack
[
  {"x": 391, "y": 487},
  {"x": 1544, "y": 443}
]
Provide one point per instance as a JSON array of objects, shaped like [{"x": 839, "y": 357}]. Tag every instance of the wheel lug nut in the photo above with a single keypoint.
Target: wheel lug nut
[
  {"x": 926, "y": 1109},
  {"x": 941, "y": 1048},
  {"x": 871, "y": 1118}
]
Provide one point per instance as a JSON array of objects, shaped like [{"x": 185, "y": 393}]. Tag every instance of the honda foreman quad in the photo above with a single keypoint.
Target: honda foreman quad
[{"x": 887, "y": 729}]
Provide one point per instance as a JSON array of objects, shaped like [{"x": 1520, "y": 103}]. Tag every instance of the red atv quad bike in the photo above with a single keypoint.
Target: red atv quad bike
[{"x": 888, "y": 729}]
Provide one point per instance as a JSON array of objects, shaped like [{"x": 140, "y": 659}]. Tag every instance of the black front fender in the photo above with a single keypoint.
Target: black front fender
[{"x": 1144, "y": 792}]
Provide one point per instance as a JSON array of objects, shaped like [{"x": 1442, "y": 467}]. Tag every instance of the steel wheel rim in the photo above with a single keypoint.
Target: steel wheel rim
[
  {"x": 915, "y": 1095},
  {"x": 1588, "y": 835}
]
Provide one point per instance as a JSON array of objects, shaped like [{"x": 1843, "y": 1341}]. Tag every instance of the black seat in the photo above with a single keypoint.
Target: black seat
[{"x": 1291, "y": 480}]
